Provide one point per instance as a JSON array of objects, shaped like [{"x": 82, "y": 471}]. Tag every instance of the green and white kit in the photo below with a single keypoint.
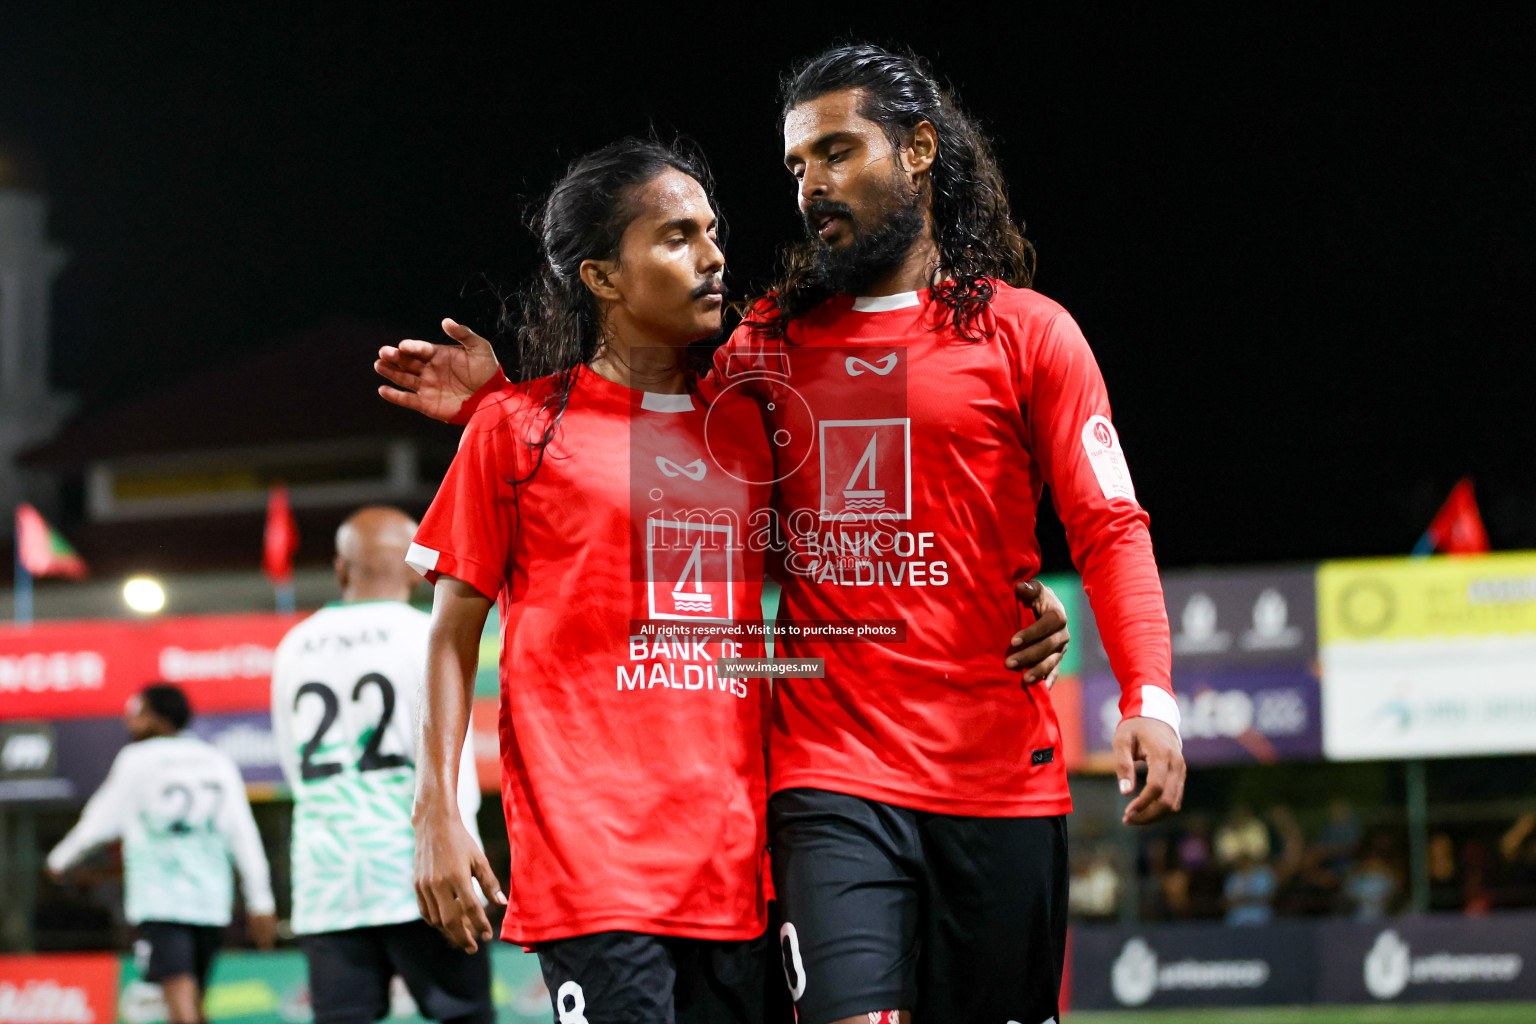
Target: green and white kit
[
  {"x": 344, "y": 690},
  {"x": 180, "y": 809}
]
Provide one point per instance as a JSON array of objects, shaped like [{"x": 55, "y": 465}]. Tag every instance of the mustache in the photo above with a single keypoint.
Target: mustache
[
  {"x": 714, "y": 286},
  {"x": 820, "y": 209}
]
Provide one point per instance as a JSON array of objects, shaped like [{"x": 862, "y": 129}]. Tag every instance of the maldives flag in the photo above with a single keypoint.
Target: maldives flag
[
  {"x": 1457, "y": 528},
  {"x": 43, "y": 551},
  {"x": 282, "y": 537}
]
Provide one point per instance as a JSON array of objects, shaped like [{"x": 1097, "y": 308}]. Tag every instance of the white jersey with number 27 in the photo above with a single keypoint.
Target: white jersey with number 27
[{"x": 179, "y": 807}]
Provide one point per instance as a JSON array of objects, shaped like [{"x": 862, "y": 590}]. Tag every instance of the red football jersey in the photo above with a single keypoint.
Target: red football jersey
[
  {"x": 632, "y": 773},
  {"x": 910, "y": 466}
]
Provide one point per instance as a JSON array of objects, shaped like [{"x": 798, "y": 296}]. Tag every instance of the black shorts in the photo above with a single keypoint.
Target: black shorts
[
  {"x": 623, "y": 977},
  {"x": 169, "y": 949},
  {"x": 885, "y": 908},
  {"x": 350, "y": 973}
]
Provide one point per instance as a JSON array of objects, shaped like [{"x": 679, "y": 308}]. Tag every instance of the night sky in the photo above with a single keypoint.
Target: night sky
[{"x": 1301, "y": 248}]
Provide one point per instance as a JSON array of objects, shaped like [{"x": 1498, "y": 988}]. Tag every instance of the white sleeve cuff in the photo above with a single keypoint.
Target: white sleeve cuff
[
  {"x": 260, "y": 905},
  {"x": 422, "y": 559},
  {"x": 1158, "y": 703}
]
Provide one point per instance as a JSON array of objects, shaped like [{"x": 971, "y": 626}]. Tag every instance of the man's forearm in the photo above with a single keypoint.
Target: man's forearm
[
  {"x": 445, "y": 709},
  {"x": 453, "y": 655}
]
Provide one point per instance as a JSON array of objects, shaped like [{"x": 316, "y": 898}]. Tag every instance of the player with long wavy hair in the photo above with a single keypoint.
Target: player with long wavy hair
[
  {"x": 918, "y": 799},
  {"x": 633, "y": 773},
  {"x": 921, "y": 397}
]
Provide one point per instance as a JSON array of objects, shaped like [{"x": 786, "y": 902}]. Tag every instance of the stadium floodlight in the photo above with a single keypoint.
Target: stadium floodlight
[{"x": 144, "y": 595}]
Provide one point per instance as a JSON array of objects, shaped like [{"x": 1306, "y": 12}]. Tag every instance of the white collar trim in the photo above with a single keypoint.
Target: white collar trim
[
  {"x": 884, "y": 303},
  {"x": 657, "y": 402}
]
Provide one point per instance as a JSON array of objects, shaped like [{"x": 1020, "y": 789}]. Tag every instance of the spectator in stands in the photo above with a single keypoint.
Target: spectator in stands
[
  {"x": 1444, "y": 891},
  {"x": 1203, "y": 879},
  {"x": 1519, "y": 843},
  {"x": 1242, "y": 837},
  {"x": 1371, "y": 886},
  {"x": 1477, "y": 898},
  {"x": 1095, "y": 889},
  {"x": 1195, "y": 847},
  {"x": 1517, "y": 869},
  {"x": 1340, "y": 840},
  {"x": 1250, "y": 889}
]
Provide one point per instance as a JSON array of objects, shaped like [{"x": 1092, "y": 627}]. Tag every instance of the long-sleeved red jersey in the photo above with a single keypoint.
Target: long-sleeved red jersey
[{"x": 910, "y": 463}]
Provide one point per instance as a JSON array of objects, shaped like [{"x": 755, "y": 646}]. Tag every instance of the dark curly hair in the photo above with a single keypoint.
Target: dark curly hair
[
  {"x": 557, "y": 322},
  {"x": 169, "y": 702},
  {"x": 978, "y": 241}
]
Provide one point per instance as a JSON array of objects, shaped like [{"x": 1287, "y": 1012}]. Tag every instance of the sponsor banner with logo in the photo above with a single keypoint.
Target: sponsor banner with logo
[
  {"x": 1436, "y": 960},
  {"x": 29, "y": 763},
  {"x": 1256, "y": 715},
  {"x": 1428, "y": 657},
  {"x": 248, "y": 741},
  {"x": 1225, "y": 618},
  {"x": 76, "y": 988},
  {"x": 88, "y": 669},
  {"x": 273, "y": 988},
  {"x": 68, "y": 759},
  {"x": 1429, "y": 699},
  {"x": 63, "y": 760},
  {"x": 1419, "y": 598},
  {"x": 1192, "y": 965}
]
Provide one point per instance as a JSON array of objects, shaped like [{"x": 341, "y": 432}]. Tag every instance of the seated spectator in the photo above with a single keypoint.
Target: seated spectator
[
  {"x": 1194, "y": 850},
  {"x": 1242, "y": 836},
  {"x": 1516, "y": 875},
  {"x": 1476, "y": 899},
  {"x": 1095, "y": 888},
  {"x": 1250, "y": 891},
  {"x": 1444, "y": 892},
  {"x": 1340, "y": 840},
  {"x": 1292, "y": 895},
  {"x": 1165, "y": 893},
  {"x": 1372, "y": 885}
]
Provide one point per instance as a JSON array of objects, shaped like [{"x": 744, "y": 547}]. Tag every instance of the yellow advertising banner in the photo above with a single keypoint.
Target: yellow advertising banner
[{"x": 1422, "y": 598}]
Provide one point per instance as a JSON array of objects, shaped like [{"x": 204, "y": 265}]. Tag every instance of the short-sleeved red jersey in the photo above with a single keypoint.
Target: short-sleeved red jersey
[
  {"x": 911, "y": 464},
  {"x": 632, "y": 773}
]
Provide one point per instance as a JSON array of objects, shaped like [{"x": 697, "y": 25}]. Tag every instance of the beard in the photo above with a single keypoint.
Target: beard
[{"x": 876, "y": 250}]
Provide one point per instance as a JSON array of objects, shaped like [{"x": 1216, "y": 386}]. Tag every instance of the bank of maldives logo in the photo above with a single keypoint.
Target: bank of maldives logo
[
  {"x": 866, "y": 469},
  {"x": 688, "y": 569}
]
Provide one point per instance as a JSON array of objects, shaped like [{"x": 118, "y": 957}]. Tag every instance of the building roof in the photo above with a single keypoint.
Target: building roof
[
  {"x": 19, "y": 165},
  {"x": 317, "y": 385}
]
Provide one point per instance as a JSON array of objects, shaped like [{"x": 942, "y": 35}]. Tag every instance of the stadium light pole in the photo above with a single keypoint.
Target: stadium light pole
[
  {"x": 22, "y": 598},
  {"x": 1418, "y": 834}
]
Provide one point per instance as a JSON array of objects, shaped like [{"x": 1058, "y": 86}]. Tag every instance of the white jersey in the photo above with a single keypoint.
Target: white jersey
[
  {"x": 344, "y": 689},
  {"x": 179, "y": 806}
]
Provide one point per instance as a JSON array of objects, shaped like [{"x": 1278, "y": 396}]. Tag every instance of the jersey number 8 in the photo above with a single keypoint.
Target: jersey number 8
[{"x": 371, "y": 760}]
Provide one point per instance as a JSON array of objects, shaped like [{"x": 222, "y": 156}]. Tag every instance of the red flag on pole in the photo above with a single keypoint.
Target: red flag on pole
[
  {"x": 41, "y": 549},
  {"x": 1457, "y": 528},
  {"x": 282, "y": 537}
]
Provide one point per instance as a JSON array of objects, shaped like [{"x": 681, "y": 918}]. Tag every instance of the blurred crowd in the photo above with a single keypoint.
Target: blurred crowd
[{"x": 1250, "y": 868}]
